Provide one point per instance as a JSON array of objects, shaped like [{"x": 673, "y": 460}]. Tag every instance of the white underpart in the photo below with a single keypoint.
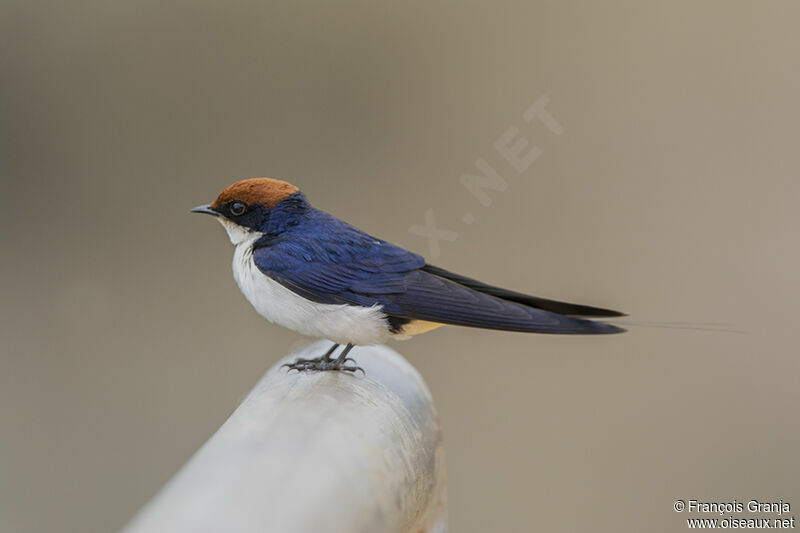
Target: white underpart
[{"x": 340, "y": 323}]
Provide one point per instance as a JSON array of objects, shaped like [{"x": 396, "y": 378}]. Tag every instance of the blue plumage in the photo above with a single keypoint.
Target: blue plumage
[{"x": 328, "y": 261}]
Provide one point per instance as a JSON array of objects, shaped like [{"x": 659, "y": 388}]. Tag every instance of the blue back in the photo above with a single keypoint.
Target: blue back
[{"x": 329, "y": 261}]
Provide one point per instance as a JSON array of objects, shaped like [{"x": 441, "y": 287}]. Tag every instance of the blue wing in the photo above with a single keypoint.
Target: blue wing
[{"x": 331, "y": 262}]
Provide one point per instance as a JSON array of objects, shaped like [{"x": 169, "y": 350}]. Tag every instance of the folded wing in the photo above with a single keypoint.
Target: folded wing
[
  {"x": 356, "y": 269},
  {"x": 563, "y": 308}
]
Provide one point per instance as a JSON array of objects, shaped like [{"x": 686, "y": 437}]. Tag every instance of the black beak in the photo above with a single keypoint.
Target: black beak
[{"x": 204, "y": 209}]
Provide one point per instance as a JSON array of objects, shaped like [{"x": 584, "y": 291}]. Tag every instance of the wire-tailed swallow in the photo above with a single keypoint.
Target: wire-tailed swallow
[{"x": 311, "y": 272}]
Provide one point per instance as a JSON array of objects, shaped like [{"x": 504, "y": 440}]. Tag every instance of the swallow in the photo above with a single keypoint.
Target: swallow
[{"x": 308, "y": 271}]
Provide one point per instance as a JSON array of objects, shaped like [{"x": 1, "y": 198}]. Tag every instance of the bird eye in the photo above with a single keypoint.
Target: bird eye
[{"x": 238, "y": 208}]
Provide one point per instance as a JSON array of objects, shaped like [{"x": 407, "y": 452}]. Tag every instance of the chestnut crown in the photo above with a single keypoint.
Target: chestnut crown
[{"x": 268, "y": 192}]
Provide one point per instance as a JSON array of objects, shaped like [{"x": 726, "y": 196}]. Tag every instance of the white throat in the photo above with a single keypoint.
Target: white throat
[
  {"x": 340, "y": 323},
  {"x": 239, "y": 234}
]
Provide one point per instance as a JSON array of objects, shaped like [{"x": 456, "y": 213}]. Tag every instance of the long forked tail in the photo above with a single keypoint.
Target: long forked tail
[
  {"x": 698, "y": 326},
  {"x": 554, "y": 306},
  {"x": 439, "y": 300},
  {"x": 570, "y": 309}
]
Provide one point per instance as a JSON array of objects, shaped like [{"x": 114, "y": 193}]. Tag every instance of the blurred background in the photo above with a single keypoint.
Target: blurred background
[{"x": 671, "y": 193}]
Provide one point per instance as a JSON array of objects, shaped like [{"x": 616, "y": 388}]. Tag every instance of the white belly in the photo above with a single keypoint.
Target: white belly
[{"x": 340, "y": 323}]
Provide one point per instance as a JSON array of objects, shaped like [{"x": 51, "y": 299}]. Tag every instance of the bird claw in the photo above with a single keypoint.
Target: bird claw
[
  {"x": 300, "y": 360},
  {"x": 352, "y": 369},
  {"x": 321, "y": 364}
]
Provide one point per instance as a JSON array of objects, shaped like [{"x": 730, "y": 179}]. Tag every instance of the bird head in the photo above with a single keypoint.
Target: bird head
[{"x": 244, "y": 208}]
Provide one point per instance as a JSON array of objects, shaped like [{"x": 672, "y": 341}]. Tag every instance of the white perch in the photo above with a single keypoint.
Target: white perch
[{"x": 310, "y": 452}]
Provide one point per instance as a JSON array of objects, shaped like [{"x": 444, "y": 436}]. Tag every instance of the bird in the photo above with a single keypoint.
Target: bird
[{"x": 311, "y": 272}]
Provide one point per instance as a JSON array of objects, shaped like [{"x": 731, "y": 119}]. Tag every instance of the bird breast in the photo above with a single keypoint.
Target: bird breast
[{"x": 339, "y": 323}]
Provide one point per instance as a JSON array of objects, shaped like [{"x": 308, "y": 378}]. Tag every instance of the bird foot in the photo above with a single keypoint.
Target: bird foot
[{"x": 323, "y": 363}]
